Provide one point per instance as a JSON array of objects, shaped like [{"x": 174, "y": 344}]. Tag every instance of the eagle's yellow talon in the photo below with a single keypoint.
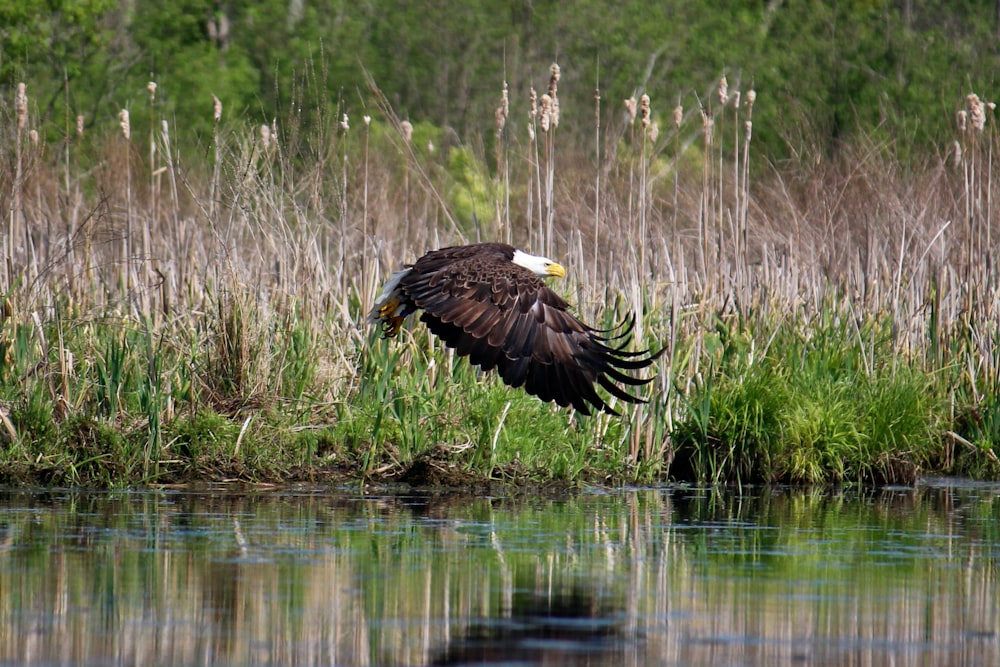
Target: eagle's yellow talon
[
  {"x": 391, "y": 326},
  {"x": 388, "y": 309}
]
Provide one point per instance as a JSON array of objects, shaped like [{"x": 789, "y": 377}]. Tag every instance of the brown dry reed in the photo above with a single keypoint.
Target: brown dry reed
[{"x": 289, "y": 238}]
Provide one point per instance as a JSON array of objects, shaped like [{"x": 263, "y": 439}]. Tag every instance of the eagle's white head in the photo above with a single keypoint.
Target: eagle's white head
[{"x": 540, "y": 266}]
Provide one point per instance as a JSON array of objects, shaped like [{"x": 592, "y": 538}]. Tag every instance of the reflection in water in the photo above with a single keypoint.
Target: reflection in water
[
  {"x": 567, "y": 627},
  {"x": 643, "y": 577}
]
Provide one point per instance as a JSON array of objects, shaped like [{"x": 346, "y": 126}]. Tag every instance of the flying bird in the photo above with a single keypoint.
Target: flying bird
[{"x": 489, "y": 302}]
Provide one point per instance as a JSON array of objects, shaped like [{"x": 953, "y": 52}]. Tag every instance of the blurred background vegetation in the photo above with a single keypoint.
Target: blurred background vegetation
[{"x": 830, "y": 68}]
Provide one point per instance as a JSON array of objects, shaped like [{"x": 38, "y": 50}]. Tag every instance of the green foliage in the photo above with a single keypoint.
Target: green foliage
[
  {"x": 47, "y": 42},
  {"x": 471, "y": 195},
  {"x": 811, "y": 408},
  {"x": 203, "y": 435},
  {"x": 733, "y": 417},
  {"x": 825, "y": 68},
  {"x": 94, "y": 453},
  {"x": 975, "y": 449}
]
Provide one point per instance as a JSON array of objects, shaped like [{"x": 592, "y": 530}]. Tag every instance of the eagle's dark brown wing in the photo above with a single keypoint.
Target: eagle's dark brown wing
[{"x": 504, "y": 317}]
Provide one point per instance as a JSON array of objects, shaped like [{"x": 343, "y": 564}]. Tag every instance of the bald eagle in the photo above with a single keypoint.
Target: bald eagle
[{"x": 489, "y": 302}]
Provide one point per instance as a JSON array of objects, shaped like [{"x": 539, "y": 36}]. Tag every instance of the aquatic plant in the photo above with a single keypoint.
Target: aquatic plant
[{"x": 827, "y": 321}]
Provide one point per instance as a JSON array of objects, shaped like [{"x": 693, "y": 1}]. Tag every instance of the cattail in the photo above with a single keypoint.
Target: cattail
[
  {"x": 345, "y": 124},
  {"x": 554, "y": 95},
  {"x": 544, "y": 112},
  {"x": 216, "y": 108},
  {"x": 957, "y": 152},
  {"x": 367, "y": 119},
  {"x": 151, "y": 88},
  {"x": 736, "y": 100},
  {"x": 554, "y": 80},
  {"x": 644, "y": 111},
  {"x": 501, "y": 112},
  {"x": 79, "y": 126},
  {"x": 751, "y": 98},
  {"x": 533, "y": 109},
  {"x": 977, "y": 112},
  {"x": 124, "y": 123},
  {"x": 21, "y": 105},
  {"x": 678, "y": 115},
  {"x": 961, "y": 118},
  {"x": 723, "y": 90},
  {"x": 653, "y": 132},
  {"x": 531, "y": 132},
  {"x": 748, "y": 127},
  {"x": 265, "y": 137},
  {"x": 407, "y": 129},
  {"x": 430, "y": 146},
  {"x": 33, "y": 136},
  {"x": 707, "y": 123},
  {"x": 630, "y": 107}
]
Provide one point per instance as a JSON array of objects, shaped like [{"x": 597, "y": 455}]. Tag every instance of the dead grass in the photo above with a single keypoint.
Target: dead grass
[{"x": 680, "y": 230}]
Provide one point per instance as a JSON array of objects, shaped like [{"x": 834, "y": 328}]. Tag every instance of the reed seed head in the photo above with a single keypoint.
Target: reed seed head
[
  {"x": 707, "y": 124},
  {"x": 79, "y": 126},
  {"x": 124, "y": 123},
  {"x": 545, "y": 112},
  {"x": 216, "y": 109},
  {"x": 554, "y": 76},
  {"x": 151, "y": 89},
  {"x": 501, "y": 112},
  {"x": 961, "y": 119},
  {"x": 33, "y": 136},
  {"x": 367, "y": 119},
  {"x": 977, "y": 112},
  {"x": 736, "y": 100},
  {"x": 533, "y": 98},
  {"x": 21, "y": 105},
  {"x": 265, "y": 136},
  {"x": 723, "y": 90},
  {"x": 407, "y": 129},
  {"x": 678, "y": 115},
  {"x": 345, "y": 123},
  {"x": 748, "y": 129},
  {"x": 644, "y": 111},
  {"x": 552, "y": 115},
  {"x": 653, "y": 132},
  {"x": 631, "y": 108},
  {"x": 957, "y": 152}
]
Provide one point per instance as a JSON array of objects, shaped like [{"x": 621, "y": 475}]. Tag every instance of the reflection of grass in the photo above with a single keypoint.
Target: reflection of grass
[{"x": 353, "y": 577}]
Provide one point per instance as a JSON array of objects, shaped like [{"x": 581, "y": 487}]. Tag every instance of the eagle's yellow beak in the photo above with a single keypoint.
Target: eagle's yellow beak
[{"x": 555, "y": 269}]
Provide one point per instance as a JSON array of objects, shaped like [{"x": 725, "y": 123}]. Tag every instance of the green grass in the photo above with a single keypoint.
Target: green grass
[{"x": 814, "y": 407}]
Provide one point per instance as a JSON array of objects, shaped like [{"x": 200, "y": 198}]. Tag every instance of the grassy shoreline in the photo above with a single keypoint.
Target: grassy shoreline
[{"x": 173, "y": 315}]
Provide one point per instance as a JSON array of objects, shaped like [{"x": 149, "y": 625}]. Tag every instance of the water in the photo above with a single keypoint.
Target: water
[{"x": 640, "y": 577}]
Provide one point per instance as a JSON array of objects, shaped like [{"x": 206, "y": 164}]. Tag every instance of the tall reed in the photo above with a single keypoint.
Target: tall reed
[{"x": 784, "y": 297}]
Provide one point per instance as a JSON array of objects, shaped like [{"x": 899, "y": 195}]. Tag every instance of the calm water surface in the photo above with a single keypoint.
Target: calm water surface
[{"x": 640, "y": 577}]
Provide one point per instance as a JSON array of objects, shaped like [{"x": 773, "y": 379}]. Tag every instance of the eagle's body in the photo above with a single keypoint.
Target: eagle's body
[{"x": 489, "y": 302}]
